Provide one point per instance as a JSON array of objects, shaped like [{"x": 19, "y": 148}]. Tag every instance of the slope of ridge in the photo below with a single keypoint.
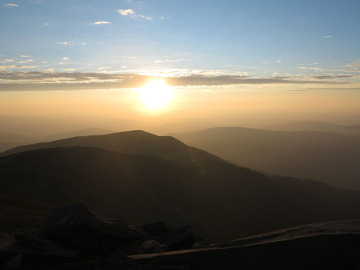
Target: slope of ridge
[
  {"x": 10, "y": 140},
  {"x": 307, "y": 230},
  {"x": 335, "y": 245},
  {"x": 131, "y": 142},
  {"x": 220, "y": 200},
  {"x": 331, "y": 158}
]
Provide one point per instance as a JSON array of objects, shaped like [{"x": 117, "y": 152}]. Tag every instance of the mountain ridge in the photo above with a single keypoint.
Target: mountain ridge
[
  {"x": 221, "y": 201},
  {"x": 132, "y": 142}
]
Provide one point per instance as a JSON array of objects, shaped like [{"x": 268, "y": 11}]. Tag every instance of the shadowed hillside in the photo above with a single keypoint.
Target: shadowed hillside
[
  {"x": 131, "y": 142},
  {"x": 327, "y": 157},
  {"x": 221, "y": 201},
  {"x": 10, "y": 140}
]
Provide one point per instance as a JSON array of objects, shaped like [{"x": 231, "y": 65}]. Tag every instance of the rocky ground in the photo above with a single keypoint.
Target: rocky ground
[
  {"x": 72, "y": 237},
  {"x": 20, "y": 216}
]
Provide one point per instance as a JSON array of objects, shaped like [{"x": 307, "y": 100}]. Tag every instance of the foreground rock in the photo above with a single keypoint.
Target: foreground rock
[
  {"x": 330, "y": 252},
  {"x": 75, "y": 221},
  {"x": 72, "y": 237}
]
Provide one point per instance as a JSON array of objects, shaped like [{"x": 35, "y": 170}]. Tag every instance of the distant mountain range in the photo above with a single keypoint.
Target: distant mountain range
[
  {"x": 317, "y": 126},
  {"x": 332, "y": 158},
  {"x": 141, "y": 178}
]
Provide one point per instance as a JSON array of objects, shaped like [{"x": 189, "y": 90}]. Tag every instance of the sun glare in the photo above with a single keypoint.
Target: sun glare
[{"x": 155, "y": 94}]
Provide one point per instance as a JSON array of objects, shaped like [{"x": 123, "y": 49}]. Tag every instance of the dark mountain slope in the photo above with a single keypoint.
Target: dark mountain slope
[
  {"x": 10, "y": 140},
  {"x": 131, "y": 142},
  {"x": 327, "y": 157},
  {"x": 220, "y": 200}
]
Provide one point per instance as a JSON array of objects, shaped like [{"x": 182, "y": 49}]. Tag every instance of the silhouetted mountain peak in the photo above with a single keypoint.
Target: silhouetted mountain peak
[{"x": 137, "y": 142}]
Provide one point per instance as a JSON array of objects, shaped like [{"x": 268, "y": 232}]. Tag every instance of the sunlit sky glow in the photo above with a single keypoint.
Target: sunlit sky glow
[{"x": 226, "y": 46}]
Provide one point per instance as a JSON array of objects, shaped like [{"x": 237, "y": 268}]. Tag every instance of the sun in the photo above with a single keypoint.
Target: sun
[{"x": 155, "y": 95}]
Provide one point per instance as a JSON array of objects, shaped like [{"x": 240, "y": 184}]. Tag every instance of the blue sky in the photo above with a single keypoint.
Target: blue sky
[{"x": 310, "y": 40}]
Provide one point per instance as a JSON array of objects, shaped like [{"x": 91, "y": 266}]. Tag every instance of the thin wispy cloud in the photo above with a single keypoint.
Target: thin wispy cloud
[
  {"x": 170, "y": 60},
  {"x": 145, "y": 17},
  {"x": 355, "y": 65},
  {"x": 173, "y": 58},
  {"x": 25, "y": 56},
  {"x": 26, "y": 61},
  {"x": 127, "y": 12},
  {"x": 131, "y": 13},
  {"x": 34, "y": 80},
  {"x": 100, "y": 23},
  {"x": 65, "y": 43},
  {"x": 5, "y": 67},
  {"x": 7, "y": 61},
  {"x": 310, "y": 68},
  {"x": 322, "y": 77},
  {"x": 11, "y": 5},
  {"x": 328, "y": 36}
]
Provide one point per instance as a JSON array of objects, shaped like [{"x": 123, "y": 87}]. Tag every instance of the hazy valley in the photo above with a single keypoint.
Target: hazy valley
[{"x": 329, "y": 157}]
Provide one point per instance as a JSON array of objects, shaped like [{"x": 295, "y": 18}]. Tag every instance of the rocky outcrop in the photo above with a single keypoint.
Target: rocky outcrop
[
  {"x": 73, "y": 237},
  {"x": 75, "y": 221}
]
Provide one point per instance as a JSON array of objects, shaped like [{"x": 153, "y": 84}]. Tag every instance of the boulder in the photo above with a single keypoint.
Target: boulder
[
  {"x": 154, "y": 229},
  {"x": 13, "y": 263},
  {"x": 181, "y": 238},
  {"x": 152, "y": 246},
  {"x": 32, "y": 243},
  {"x": 69, "y": 222}
]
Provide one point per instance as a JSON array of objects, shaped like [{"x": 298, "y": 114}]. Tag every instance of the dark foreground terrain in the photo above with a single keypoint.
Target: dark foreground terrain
[
  {"x": 72, "y": 237},
  {"x": 173, "y": 201}
]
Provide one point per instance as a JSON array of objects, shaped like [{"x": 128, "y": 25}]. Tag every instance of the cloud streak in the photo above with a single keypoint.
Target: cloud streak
[
  {"x": 65, "y": 43},
  {"x": 127, "y": 12},
  {"x": 131, "y": 13},
  {"x": 7, "y": 61},
  {"x": 100, "y": 23},
  {"x": 311, "y": 68},
  {"x": 11, "y": 5},
  {"x": 34, "y": 80},
  {"x": 170, "y": 60}
]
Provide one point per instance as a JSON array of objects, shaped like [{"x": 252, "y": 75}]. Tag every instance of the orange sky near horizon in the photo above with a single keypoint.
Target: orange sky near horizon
[{"x": 227, "y": 104}]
